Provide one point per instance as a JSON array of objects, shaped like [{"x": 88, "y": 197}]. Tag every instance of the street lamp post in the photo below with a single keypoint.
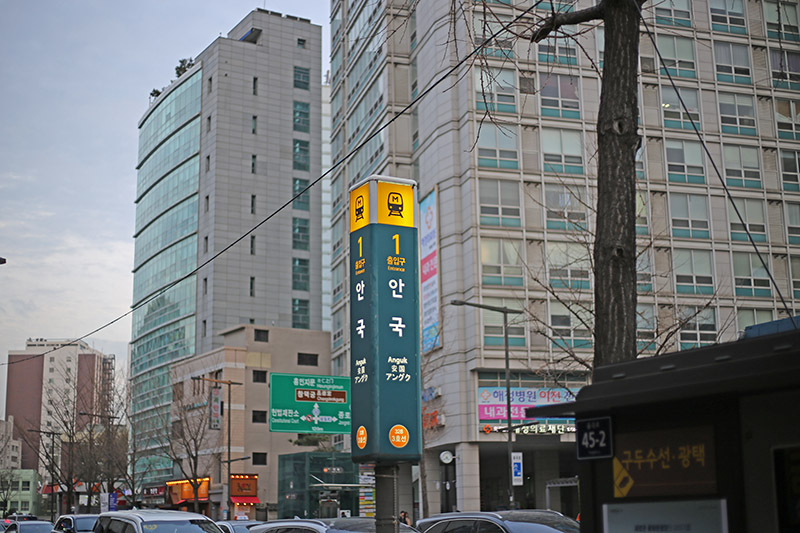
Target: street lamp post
[
  {"x": 52, "y": 435},
  {"x": 506, "y": 311},
  {"x": 229, "y": 461}
]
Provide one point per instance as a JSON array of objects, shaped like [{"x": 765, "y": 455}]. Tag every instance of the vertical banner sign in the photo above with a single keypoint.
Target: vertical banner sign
[
  {"x": 429, "y": 272},
  {"x": 516, "y": 469},
  {"x": 384, "y": 321},
  {"x": 215, "y": 420}
]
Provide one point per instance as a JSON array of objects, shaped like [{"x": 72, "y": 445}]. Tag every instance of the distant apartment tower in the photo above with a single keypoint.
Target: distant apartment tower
[
  {"x": 220, "y": 149},
  {"x": 508, "y": 146},
  {"x": 50, "y": 383}
]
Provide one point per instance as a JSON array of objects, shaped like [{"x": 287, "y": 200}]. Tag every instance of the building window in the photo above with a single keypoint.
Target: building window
[
  {"x": 205, "y": 285},
  {"x": 261, "y": 335},
  {"x": 301, "y": 43},
  {"x": 793, "y": 222},
  {"x": 337, "y": 237},
  {"x": 300, "y": 155},
  {"x": 208, "y": 163},
  {"x": 252, "y": 245},
  {"x": 737, "y": 113},
  {"x": 300, "y": 233},
  {"x": 301, "y": 202},
  {"x": 790, "y": 170},
  {"x": 782, "y": 20},
  {"x": 560, "y": 96},
  {"x": 689, "y": 215},
  {"x": 502, "y": 262},
  {"x": 337, "y": 280},
  {"x": 259, "y": 376},
  {"x": 787, "y": 115},
  {"x": 412, "y": 30},
  {"x": 728, "y": 16},
  {"x": 255, "y": 124},
  {"x": 302, "y": 77},
  {"x": 563, "y": 151},
  {"x": 641, "y": 213},
  {"x": 678, "y": 56},
  {"x": 568, "y": 265},
  {"x": 561, "y": 49},
  {"x": 252, "y": 204},
  {"x": 674, "y": 13},
  {"x": 259, "y": 458},
  {"x": 672, "y": 109},
  {"x": 252, "y": 287},
  {"x": 645, "y": 328},
  {"x": 733, "y": 63},
  {"x": 500, "y": 203},
  {"x": 259, "y": 417},
  {"x": 684, "y": 161},
  {"x": 752, "y": 212},
  {"x": 414, "y": 79},
  {"x": 302, "y": 116},
  {"x": 300, "y": 314},
  {"x": 24, "y": 505},
  {"x": 785, "y": 66},
  {"x": 337, "y": 330},
  {"x": 208, "y": 123},
  {"x": 205, "y": 329},
  {"x": 210, "y": 84},
  {"x": 307, "y": 359},
  {"x": 493, "y": 323},
  {"x": 751, "y": 317},
  {"x": 600, "y": 32},
  {"x": 742, "y": 168},
  {"x": 300, "y": 274},
  {"x": 206, "y": 204},
  {"x": 571, "y": 327},
  {"x": 414, "y": 129},
  {"x": 502, "y": 46},
  {"x": 205, "y": 244},
  {"x": 253, "y": 164},
  {"x": 692, "y": 271},
  {"x": 794, "y": 262},
  {"x": 255, "y": 86},
  {"x": 698, "y": 326},
  {"x": 497, "y": 146},
  {"x": 495, "y": 90},
  {"x": 750, "y": 276},
  {"x": 527, "y": 83}
]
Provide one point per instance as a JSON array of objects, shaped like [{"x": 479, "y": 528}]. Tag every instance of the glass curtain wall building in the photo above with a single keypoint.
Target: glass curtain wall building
[
  {"x": 220, "y": 149},
  {"x": 508, "y": 144}
]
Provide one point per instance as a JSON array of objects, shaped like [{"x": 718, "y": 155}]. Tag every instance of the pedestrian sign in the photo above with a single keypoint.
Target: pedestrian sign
[{"x": 384, "y": 321}]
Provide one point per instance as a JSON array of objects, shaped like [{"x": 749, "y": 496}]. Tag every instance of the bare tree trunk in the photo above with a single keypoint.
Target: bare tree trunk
[{"x": 615, "y": 245}]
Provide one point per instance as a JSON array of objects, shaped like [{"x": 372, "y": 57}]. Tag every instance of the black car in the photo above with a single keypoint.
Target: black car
[
  {"x": 75, "y": 523},
  {"x": 521, "y": 521}
]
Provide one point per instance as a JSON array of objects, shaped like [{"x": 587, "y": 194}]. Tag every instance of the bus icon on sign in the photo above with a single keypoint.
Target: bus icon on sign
[
  {"x": 395, "y": 204},
  {"x": 359, "y": 207}
]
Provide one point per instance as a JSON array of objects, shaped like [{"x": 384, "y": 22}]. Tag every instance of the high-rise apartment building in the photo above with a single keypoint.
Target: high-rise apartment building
[
  {"x": 508, "y": 146},
  {"x": 55, "y": 386},
  {"x": 220, "y": 149}
]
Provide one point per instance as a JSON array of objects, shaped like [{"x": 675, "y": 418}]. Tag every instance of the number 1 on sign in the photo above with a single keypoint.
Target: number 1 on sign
[
  {"x": 360, "y": 251},
  {"x": 396, "y": 239}
]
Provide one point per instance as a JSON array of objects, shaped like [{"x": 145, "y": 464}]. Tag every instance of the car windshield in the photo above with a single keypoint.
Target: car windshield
[
  {"x": 85, "y": 523},
  {"x": 180, "y": 526},
  {"x": 34, "y": 528},
  {"x": 557, "y": 523}
]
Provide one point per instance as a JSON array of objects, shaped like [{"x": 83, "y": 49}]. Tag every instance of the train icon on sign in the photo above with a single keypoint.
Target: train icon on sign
[
  {"x": 359, "y": 207},
  {"x": 395, "y": 204}
]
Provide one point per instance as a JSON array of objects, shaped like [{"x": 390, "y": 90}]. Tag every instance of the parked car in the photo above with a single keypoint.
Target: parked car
[
  {"x": 30, "y": 526},
  {"x": 154, "y": 521},
  {"x": 323, "y": 525},
  {"x": 521, "y": 521},
  {"x": 237, "y": 526},
  {"x": 75, "y": 523}
]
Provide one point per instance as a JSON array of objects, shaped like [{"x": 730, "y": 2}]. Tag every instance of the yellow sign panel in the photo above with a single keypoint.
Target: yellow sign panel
[
  {"x": 359, "y": 207},
  {"x": 622, "y": 480},
  {"x": 395, "y": 204}
]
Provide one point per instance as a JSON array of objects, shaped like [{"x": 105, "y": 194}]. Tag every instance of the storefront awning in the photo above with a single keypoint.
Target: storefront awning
[{"x": 248, "y": 500}]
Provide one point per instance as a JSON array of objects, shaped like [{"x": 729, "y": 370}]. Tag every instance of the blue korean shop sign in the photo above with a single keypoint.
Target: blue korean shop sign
[{"x": 384, "y": 321}]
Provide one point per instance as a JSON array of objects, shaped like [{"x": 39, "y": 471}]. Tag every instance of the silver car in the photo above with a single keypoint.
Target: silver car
[{"x": 152, "y": 521}]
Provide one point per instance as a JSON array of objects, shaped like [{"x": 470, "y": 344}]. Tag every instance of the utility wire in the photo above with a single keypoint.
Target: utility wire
[
  {"x": 345, "y": 158},
  {"x": 714, "y": 164}
]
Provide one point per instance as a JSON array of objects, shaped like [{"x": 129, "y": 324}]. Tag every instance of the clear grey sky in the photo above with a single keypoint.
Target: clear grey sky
[{"x": 75, "y": 80}]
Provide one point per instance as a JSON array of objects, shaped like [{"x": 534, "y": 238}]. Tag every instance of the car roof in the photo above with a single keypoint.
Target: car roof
[
  {"x": 32, "y": 522},
  {"x": 85, "y": 515},
  {"x": 149, "y": 515},
  {"x": 354, "y": 523}
]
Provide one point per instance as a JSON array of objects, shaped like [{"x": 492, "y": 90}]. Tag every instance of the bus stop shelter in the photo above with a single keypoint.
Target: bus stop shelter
[{"x": 700, "y": 440}]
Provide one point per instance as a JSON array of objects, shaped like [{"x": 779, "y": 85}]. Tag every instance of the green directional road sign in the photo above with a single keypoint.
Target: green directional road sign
[
  {"x": 384, "y": 321},
  {"x": 309, "y": 404}
]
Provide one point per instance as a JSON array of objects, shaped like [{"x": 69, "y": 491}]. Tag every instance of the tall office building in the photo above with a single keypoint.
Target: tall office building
[
  {"x": 508, "y": 146},
  {"x": 220, "y": 149},
  {"x": 54, "y": 387}
]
